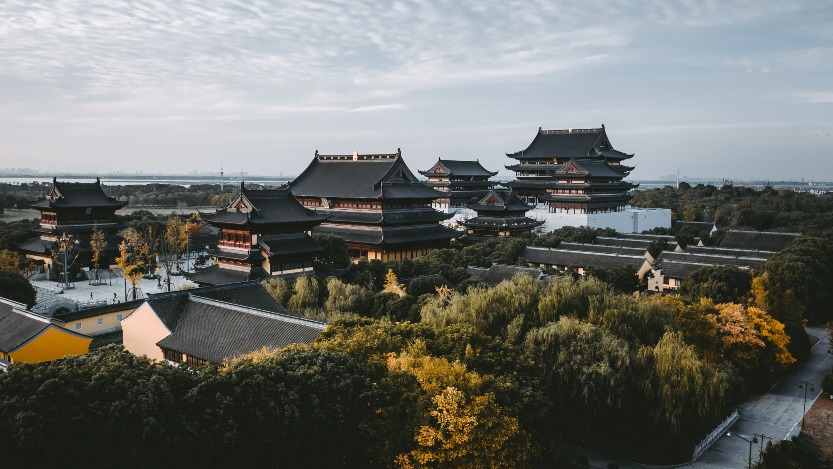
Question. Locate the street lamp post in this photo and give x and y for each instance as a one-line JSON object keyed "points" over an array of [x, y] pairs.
{"points": [[751, 442], [805, 385]]}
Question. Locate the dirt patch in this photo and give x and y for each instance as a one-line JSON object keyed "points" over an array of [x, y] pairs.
{"points": [[818, 424]]}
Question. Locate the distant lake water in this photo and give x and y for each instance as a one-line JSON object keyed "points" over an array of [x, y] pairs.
{"points": [[185, 181]]}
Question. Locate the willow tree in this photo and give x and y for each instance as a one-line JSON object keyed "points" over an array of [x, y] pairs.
{"points": [[98, 242], [133, 252]]}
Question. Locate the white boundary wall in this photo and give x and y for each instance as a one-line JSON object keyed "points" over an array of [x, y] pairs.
{"points": [[630, 220]]}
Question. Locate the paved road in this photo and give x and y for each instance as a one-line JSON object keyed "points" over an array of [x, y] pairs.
{"points": [[774, 414]]}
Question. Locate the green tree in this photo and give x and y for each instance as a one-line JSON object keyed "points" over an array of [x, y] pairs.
{"points": [[720, 283], [622, 278], [279, 288], [15, 287], [333, 250], [305, 294]]}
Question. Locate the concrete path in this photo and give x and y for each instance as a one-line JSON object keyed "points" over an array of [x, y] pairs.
{"points": [[775, 414]]}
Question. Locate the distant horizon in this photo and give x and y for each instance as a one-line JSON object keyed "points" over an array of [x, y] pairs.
{"points": [[236, 178]]}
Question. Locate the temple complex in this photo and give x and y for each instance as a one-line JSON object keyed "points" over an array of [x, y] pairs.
{"points": [[462, 182], [262, 233], [499, 213], [576, 178], [74, 210], [375, 203]]}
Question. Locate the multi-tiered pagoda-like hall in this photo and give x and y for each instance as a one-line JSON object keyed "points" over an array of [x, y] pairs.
{"points": [[74, 209], [577, 177], [375, 203], [262, 233]]}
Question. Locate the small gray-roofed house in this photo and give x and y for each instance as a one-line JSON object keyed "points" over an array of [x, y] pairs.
{"points": [[497, 273], [757, 240], [169, 305], [560, 260], [163, 314], [215, 331]]}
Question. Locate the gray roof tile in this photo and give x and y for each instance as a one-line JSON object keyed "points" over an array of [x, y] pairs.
{"points": [[215, 331]]}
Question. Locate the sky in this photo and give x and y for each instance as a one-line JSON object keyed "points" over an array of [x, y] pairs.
{"points": [[720, 89]]}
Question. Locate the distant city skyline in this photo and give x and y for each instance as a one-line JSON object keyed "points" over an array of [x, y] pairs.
{"points": [[737, 89]]}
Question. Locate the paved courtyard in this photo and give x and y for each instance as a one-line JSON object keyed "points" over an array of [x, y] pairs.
{"points": [[115, 289]]}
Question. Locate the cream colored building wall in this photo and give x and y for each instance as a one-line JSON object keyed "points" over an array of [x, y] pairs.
{"points": [[142, 330], [89, 326]]}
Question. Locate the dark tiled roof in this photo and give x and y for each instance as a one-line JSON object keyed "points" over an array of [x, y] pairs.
{"points": [[402, 190], [641, 242], [216, 331], [216, 275], [680, 269], [601, 248], [565, 144], [387, 217], [758, 240], [98, 310], [261, 207], [18, 326], [501, 222], [500, 200], [36, 245], [239, 255], [701, 226], [711, 259], [390, 235], [708, 250], [342, 176], [592, 168], [559, 257], [288, 244], [615, 155], [169, 306], [416, 234], [371, 235], [498, 273], [78, 194], [459, 168]]}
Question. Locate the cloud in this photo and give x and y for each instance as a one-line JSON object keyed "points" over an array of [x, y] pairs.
{"points": [[812, 97]]}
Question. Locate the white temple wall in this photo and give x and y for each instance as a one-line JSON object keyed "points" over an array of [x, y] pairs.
{"points": [[631, 220]]}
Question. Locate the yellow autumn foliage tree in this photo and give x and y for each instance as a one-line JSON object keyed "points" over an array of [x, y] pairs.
{"points": [[468, 428], [392, 284]]}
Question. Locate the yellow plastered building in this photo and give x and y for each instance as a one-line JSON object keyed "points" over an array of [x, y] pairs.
{"points": [[28, 337]]}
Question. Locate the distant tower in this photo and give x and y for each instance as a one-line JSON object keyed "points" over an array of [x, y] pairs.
{"points": [[678, 178], [221, 178]]}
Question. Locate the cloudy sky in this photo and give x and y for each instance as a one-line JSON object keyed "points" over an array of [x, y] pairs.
{"points": [[741, 90]]}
